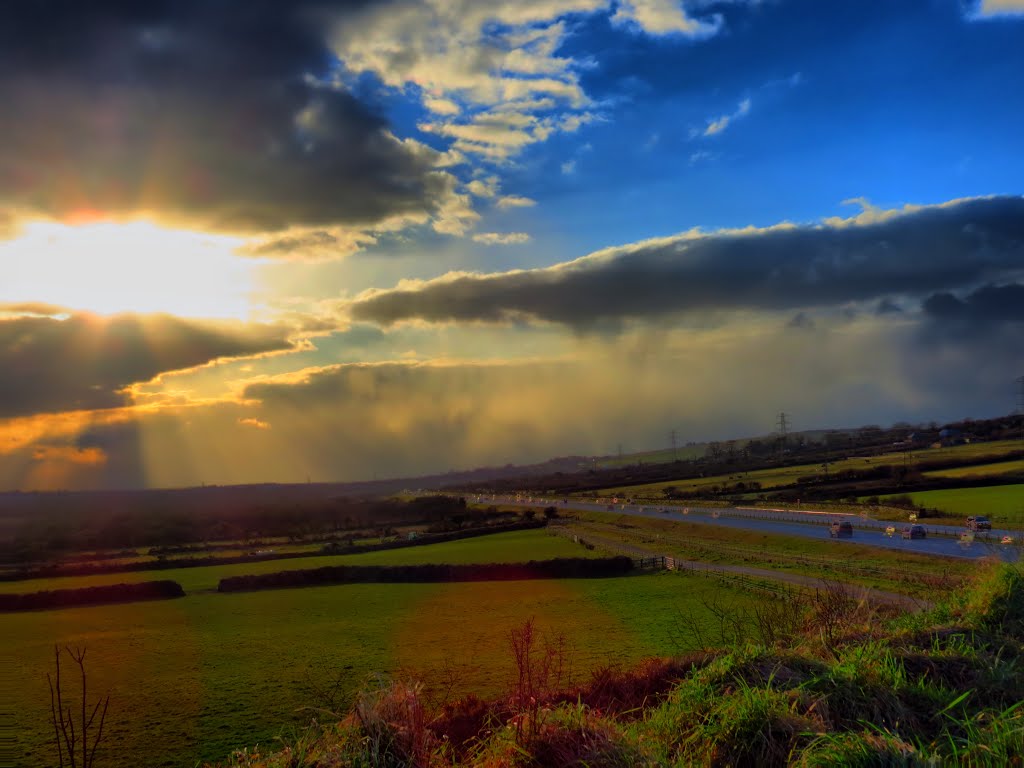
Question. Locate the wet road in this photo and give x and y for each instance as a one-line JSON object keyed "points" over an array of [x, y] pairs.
{"points": [[869, 532]]}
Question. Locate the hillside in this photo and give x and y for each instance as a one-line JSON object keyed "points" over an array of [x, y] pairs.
{"points": [[814, 681]]}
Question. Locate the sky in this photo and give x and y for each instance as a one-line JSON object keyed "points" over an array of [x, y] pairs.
{"points": [[336, 240]]}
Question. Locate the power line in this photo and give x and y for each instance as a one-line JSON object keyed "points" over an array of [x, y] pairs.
{"points": [[782, 422]]}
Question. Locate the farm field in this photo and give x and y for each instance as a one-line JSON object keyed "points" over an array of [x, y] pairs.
{"points": [[1004, 504], [982, 470], [194, 678], [779, 476], [513, 546]]}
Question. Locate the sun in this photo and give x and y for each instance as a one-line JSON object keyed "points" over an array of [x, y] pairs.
{"points": [[110, 267]]}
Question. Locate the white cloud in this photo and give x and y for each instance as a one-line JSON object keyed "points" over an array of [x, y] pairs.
{"points": [[469, 60], [487, 187], [442, 106], [1000, 7], [718, 124], [662, 17], [456, 216], [502, 238], [466, 58], [515, 201], [493, 77], [255, 423], [569, 167], [450, 159]]}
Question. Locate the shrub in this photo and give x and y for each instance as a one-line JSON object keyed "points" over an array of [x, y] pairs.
{"points": [[111, 593], [559, 568]]}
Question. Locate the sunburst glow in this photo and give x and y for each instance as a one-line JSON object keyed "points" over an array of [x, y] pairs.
{"points": [[110, 267]]}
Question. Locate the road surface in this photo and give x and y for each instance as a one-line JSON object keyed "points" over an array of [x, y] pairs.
{"points": [[941, 540]]}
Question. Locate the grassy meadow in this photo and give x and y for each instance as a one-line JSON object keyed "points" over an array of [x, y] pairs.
{"points": [[192, 679], [1003, 504], [995, 469]]}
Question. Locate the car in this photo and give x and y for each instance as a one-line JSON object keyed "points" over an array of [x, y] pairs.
{"points": [[840, 529], [914, 532], [979, 523]]}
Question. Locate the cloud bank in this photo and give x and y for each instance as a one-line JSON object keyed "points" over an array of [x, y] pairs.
{"points": [[77, 361], [916, 251]]}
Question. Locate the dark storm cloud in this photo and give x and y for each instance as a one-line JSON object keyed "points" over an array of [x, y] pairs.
{"points": [[82, 361], [915, 252], [888, 307], [989, 307], [199, 111]]}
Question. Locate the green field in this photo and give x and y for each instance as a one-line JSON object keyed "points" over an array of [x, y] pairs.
{"points": [[779, 476], [194, 678], [1003, 504], [511, 547], [767, 478], [982, 470]]}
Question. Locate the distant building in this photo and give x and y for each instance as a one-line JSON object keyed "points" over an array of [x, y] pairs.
{"points": [[950, 436]]}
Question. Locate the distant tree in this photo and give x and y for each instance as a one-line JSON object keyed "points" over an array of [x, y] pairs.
{"points": [[530, 514], [550, 513]]}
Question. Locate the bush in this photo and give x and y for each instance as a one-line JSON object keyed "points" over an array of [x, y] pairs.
{"points": [[560, 568], [111, 593], [903, 500]]}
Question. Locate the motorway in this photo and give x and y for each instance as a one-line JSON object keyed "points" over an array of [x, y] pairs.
{"points": [[941, 540]]}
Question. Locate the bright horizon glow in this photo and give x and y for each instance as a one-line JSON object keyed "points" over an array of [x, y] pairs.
{"points": [[112, 267]]}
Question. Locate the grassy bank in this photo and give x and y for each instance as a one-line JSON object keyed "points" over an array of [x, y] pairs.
{"points": [[893, 570], [827, 682]]}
